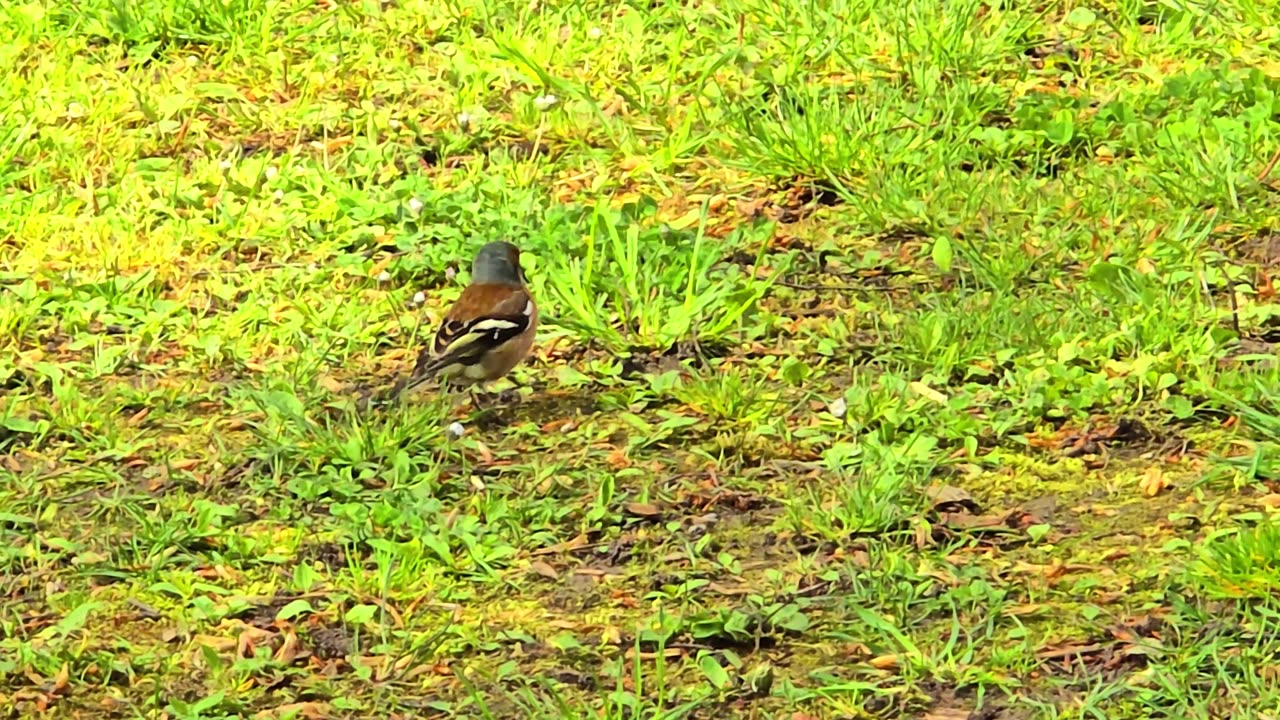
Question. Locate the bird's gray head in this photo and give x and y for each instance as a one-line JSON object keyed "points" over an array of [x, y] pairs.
{"points": [[497, 263]]}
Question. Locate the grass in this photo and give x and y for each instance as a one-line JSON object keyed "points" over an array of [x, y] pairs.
{"points": [[897, 361]]}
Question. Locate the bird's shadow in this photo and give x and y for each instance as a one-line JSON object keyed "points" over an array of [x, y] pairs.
{"points": [[511, 407], [494, 411]]}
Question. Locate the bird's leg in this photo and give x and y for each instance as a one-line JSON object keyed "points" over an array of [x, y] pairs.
{"points": [[511, 394], [475, 399]]}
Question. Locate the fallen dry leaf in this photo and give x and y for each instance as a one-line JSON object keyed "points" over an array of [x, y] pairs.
{"points": [[687, 220], [289, 649], [307, 710], [946, 714], [380, 265], [928, 393], [249, 639], [331, 384], [885, 662], [567, 546], [215, 643], [61, 680], [640, 509], [951, 498], [1153, 481], [1026, 609], [544, 569]]}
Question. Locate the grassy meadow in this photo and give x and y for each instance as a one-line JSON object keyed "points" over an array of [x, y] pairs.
{"points": [[897, 360]]}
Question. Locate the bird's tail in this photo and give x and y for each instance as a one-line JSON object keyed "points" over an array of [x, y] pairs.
{"points": [[425, 369]]}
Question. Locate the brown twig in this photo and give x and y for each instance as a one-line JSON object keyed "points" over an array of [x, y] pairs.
{"points": [[1235, 308], [1073, 651], [386, 607], [1271, 164]]}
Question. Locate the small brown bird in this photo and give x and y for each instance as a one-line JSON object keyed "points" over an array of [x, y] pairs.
{"points": [[489, 330]]}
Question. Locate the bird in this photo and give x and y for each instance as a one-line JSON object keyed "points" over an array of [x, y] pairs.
{"points": [[488, 331]]}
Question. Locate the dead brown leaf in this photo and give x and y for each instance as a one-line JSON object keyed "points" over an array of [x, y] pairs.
{"points": [[1068, 651], [951, 498], [1153, 481], [946, 714], [249, 639], [928, 393], [1021, 610], [289, 649], [215, 643], [640, 509], [307, 710], [576, 543], [332, 384], [965, 521], [885, 662], [61, 680], [544, 569]]}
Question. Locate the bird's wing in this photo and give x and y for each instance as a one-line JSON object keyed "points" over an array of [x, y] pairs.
{"points": [[466, 335]]}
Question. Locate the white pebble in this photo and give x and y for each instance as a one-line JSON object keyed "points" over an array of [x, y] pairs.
{"points": [[838, 407], [455, 430]]}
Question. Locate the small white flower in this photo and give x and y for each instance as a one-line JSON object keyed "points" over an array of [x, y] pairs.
{"points": [[333, 59], [271, 172], [464, 121], [455, 430], [419, 298], [394, 124], [450, 273], [278, 195], [545, 102], [594, 33], [76, 110], [415, 205], [838, 407], [225, 165], [192, 60], [384, 277]]}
